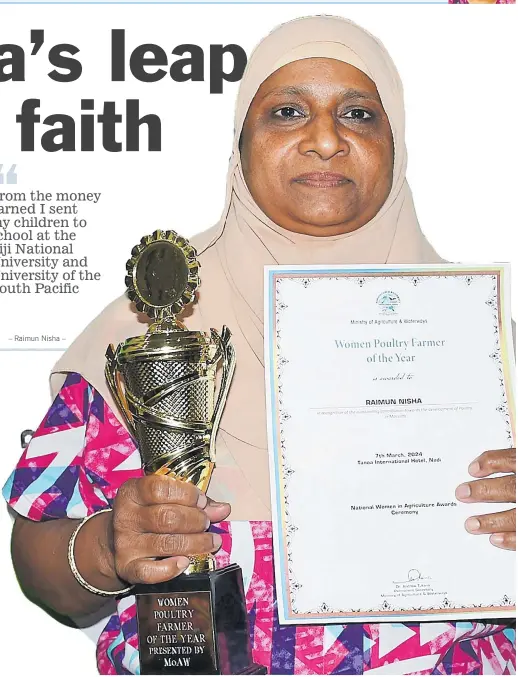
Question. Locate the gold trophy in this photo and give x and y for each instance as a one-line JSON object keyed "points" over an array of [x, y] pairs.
{"points": [[165, 386]]}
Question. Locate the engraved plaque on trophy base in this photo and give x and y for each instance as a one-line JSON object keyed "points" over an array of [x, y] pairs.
{"points": [[195, 624]]}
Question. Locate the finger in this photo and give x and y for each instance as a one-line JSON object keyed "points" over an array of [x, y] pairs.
{"points": [[217, 512], [495, 490], [171, 519], [498, 460], [493, 523], [156, 489], [506, 541], [171, 545], [150, 571]]}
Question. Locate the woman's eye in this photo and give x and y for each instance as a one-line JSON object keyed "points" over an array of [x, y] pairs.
{"points": [[288, 113], [358, 114]]}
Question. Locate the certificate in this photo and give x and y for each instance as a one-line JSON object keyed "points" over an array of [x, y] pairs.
{"points": [[383, 384]]}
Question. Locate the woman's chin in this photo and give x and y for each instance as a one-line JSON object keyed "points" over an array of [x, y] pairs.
{"points": [[317, 226], [326, 220]]}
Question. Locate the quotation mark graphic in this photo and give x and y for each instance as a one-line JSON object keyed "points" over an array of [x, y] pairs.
{"points": [[11, 176]]}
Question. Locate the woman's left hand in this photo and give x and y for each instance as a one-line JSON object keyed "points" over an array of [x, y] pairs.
{"points": [[501, 525]]}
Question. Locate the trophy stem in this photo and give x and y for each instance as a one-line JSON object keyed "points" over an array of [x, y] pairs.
{"points": [[201, 479], [200, 564]]}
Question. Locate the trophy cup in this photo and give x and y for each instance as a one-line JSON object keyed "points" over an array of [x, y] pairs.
{"points": [[165, 386]]}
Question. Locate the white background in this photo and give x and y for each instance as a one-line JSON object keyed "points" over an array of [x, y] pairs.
{"points": [[458, 71]]}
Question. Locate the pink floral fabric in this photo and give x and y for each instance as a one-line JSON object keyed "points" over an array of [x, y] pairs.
{"points": [[467, 2]]}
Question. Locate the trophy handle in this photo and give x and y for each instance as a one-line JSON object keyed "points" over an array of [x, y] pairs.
{"points": [[226, 350], [116, 386]]}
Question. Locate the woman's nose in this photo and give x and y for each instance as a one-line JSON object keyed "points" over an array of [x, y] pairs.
{"points": [[325, 137]]}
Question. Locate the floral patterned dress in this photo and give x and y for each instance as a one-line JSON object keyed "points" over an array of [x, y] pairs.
{"points": [[74, 465], [467, 2]]}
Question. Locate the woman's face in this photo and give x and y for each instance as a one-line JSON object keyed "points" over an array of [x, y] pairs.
{"points": [[316, 148]]}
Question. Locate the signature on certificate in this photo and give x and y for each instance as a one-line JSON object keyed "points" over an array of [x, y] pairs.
{"points": [[413, 575]]}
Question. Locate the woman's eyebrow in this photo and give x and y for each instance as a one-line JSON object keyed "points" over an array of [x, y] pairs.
{"points": [[305, 90]]}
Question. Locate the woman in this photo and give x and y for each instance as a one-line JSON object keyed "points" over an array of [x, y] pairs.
{"points": [[317, 175]]}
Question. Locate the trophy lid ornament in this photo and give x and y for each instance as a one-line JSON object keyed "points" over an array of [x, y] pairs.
{"points": [[162, 275]]}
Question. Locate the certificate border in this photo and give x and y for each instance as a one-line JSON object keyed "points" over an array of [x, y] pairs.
{"points": [[281, 559]]}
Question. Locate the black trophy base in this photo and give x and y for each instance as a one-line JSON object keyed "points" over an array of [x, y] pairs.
{"points": [[195, 624]]}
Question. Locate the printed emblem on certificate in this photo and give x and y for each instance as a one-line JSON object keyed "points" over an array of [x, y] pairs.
{"points": [[383, 384]]}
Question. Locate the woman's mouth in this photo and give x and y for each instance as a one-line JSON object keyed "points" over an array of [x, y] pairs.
{"points": [[321, 179]]}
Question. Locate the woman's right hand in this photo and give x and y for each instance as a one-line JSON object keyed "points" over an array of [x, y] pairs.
{"points": [[157, 516]]}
